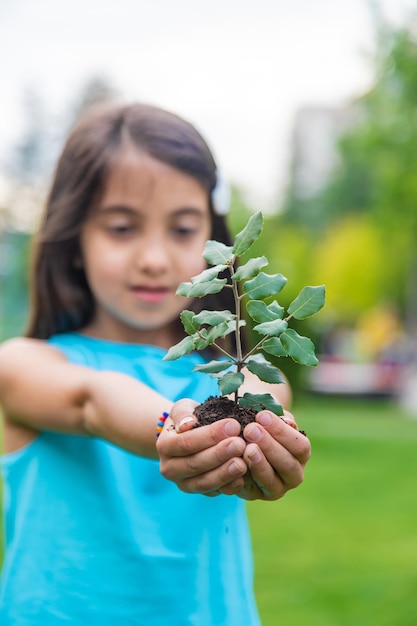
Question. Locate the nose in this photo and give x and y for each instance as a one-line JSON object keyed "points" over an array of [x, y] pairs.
{"points": [[151, 254]]}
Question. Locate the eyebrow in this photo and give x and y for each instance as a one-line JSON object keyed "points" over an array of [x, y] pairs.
{"points": [[128, 210]]}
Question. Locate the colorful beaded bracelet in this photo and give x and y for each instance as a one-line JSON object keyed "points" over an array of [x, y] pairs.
{"points": [[161, 423]]}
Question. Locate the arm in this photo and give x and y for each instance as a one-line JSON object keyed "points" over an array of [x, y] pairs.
{"points": [[41, 390]]}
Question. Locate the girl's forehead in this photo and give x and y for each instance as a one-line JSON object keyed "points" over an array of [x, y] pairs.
{"points": [[138, 179], [142, 167], [131, 160]]}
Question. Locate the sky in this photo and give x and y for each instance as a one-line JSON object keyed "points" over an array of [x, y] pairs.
{"points": [[238, 69]]}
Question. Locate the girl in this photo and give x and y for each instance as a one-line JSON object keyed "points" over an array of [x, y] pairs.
{"points": [[95, 533]]}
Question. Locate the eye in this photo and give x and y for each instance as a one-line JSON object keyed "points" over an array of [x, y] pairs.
{"points": [[120, 229], [184, 232]]}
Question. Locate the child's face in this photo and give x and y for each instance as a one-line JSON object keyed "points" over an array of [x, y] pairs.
{"points": [[144, 237]]}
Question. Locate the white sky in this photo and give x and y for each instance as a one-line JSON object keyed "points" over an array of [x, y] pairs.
{"points": [[238, 69]]}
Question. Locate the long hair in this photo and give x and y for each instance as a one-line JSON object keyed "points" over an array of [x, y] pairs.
{"points": [[61, 299]]}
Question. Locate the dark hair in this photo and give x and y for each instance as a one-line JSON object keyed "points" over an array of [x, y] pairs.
{"points": [[61, 297]]}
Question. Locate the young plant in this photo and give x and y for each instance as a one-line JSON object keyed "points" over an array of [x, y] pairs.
{"points": [[250, 286]]}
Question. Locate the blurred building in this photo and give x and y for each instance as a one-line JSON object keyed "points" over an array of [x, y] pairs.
{"points": [[314, 151]]}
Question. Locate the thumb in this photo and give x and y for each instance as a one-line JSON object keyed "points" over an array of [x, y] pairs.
{"points": [[182, 414]]}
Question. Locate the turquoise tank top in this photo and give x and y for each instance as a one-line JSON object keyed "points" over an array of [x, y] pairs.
{"points": [[95, 535]]}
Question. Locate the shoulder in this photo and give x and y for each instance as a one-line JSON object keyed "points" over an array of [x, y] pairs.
{"points": [[21, 348]]}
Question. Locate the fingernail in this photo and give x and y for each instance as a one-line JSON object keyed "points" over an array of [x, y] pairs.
{"points": [[254, 432], [230, 429], [265, 418], [233, 448], [183, 422], [255, 455], [235, 469]]}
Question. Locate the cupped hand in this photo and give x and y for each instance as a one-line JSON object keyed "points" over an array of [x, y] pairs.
{"points": [[276, 455], [206, 460], [214, 460]]}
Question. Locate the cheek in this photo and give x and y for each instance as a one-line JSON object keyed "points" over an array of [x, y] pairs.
{"points": [[102, 265], [193, 264]]}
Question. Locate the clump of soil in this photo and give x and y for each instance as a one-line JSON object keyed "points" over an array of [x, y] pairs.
{"points": [[218, 407]]}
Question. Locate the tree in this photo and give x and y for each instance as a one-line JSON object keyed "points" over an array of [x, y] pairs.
{"points": [[376, 174]]}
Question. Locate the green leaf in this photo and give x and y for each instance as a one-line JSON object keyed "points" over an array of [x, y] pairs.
{"points": [[275, 328], [249, 234], [198, 290], [216, 252], [231, 326], [309, 301], [214, 367], [230, 382], [300, 349], [200, 341], [260, 401], [183, 347], [260, 312], [208, 274], [263, 369], [276, 309], [207, 336], [274, 346], [264, 285], [250, 269], [187, 319], [214, 332], [214, 317]]}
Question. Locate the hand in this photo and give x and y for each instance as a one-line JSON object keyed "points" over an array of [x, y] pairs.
{"points": [[276, 455], [206, 460]]}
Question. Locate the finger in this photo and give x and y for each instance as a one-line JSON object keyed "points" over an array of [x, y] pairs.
{"points": [[286, 467], [291, 438], [230, 489], [191, 441], [289, 419], [223, 477], [179, 467], [268, 484], [250, 490], [234, 488], [227, 476], [182, 415], [284, 449]]}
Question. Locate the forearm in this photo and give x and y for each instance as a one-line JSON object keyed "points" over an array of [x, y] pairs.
{"points": [[123, 411]]}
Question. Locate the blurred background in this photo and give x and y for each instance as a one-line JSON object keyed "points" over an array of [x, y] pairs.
{"points": [[311, 110]]}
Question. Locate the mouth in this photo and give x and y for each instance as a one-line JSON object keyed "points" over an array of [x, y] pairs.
{"points": [[150, 295]]}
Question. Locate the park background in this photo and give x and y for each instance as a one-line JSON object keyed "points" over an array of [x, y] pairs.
{"points": [[312, 112]]}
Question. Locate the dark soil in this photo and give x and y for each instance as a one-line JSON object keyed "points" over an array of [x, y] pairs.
{"points": [[218, 407]]}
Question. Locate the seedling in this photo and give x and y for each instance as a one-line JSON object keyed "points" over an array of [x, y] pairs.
{"points": [[251, 287]]}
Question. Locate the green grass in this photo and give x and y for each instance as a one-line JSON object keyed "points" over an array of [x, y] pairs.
{"points": [[341, 550]]}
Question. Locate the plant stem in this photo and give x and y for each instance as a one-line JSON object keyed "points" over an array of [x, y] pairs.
{"points": [[258, 345], [239, 360], [231, 357]]}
